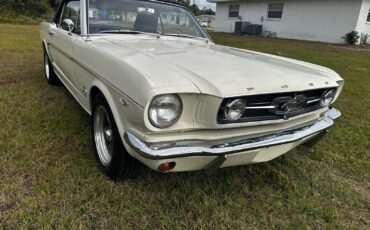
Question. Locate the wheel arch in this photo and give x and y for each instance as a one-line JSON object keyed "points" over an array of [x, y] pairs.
{"points": [[45, 47], [94, 90], [98, 87], [132, 166]]}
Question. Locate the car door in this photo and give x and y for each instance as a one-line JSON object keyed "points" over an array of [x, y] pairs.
{"points": [[62, 41]]}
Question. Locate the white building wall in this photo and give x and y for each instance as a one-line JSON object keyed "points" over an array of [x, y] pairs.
{"points": [[315, 20], [362, 25], [223, 23]]}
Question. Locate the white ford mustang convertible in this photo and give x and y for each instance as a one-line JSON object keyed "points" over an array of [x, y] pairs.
{"points": [[161, 93]]}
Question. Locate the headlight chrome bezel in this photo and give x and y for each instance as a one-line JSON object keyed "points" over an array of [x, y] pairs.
{"points": [[230, 105], [160, 100], [329, 94]]}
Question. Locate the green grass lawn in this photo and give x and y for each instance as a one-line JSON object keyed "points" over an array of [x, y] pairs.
{"points": [[48, 176]]}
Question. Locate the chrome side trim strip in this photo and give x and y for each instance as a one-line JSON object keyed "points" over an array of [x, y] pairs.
{"points": [[274, 107], [150, 151], [261, 107], [314, 100]]}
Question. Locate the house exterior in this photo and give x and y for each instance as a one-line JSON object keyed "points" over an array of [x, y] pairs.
{"points": [[314, 20], [209, 19]]}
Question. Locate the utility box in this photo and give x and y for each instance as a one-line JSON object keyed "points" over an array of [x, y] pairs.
{"points": [[253, 29], [240, 27]]}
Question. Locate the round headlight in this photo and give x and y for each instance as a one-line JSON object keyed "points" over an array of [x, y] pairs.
{"points": [[327, 98], [165, 110], [235, 109]]}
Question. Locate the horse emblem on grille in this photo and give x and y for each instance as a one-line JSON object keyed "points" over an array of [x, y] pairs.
{"points": [[287, 105]]}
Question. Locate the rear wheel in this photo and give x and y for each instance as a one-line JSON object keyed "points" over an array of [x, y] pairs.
{"points": [[110, 152], [50, 75]]}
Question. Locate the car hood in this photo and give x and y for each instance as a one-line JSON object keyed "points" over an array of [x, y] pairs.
{"points": [[215, 70]]}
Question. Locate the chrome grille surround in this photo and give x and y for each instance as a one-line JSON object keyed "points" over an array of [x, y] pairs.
{"points": [[275, 106]]}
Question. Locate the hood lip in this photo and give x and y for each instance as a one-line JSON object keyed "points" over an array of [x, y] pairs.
{"points": [[169, 90], [282, 91]]}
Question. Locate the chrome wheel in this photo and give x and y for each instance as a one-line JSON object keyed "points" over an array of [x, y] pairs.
{"points": [[47, 68], [110, 153], [103, 135]]}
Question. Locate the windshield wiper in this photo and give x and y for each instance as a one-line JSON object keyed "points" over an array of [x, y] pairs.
{"points": [[120, 32], [140, 32], [178, 35]]}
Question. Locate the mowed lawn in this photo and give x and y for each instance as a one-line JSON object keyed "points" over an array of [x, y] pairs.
{"points": [[49, 179]]}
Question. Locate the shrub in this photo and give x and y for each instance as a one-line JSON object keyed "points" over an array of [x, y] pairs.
{"points": [[351, 38], [26, 7], [364, 39]]}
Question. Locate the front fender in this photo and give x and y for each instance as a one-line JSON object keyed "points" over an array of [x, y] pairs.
{"points": [[127, 114]]}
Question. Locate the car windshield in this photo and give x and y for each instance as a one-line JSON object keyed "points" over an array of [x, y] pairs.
{"points": [[138, 16]]}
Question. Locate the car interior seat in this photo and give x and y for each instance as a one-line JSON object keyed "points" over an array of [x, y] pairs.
{"points": [[146, 23]]}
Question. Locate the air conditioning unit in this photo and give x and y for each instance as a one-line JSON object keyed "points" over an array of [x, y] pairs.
{"points": [[240, 27], [253, 29]]}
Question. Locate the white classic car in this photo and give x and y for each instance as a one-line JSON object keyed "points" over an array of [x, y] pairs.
{"points": [[160, 92]]}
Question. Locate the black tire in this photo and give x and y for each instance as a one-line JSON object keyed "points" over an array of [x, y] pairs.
{"points": [[50, 76], [121, 165]]}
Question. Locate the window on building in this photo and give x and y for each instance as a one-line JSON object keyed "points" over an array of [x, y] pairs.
{"points": [[368, 16], [233, 11], [275, 10]]}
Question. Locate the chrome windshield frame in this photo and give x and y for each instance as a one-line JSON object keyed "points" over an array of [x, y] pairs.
{"points": [[85, 19]]}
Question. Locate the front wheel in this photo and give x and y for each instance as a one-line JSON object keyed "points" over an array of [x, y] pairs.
{"points": [[110, 152]]}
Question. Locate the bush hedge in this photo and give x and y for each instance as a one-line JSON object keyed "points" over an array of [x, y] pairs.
{"points": [[25, 11]]}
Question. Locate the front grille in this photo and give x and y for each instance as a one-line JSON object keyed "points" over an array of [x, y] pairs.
{"points": [[267, 106]]}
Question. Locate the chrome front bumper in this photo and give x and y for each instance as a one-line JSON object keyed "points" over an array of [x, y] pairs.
{"points": [[160, 151]]}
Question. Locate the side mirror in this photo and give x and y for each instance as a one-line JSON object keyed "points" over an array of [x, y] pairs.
{"points": [[68, 25]]}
